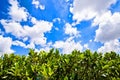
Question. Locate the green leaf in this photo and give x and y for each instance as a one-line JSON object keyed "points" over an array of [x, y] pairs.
{"points": [[66, 78], [105, 67]]}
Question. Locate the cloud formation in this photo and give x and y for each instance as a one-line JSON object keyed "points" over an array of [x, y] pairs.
{"points": [[16, 12], [68, 46], [38, 5], [88, 9], [33, 34], [31, 31], [109, 27], [113, 45], [72, 31], [5, 45]]}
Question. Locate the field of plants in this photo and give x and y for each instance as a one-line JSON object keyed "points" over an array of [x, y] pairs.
{"points": [[53, 65]]}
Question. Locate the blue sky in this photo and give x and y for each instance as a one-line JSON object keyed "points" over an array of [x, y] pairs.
{"points": [[62, 24]]}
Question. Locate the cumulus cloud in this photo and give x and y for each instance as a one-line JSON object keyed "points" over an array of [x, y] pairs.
{"points": [[108, 31], [72, 31], [16, 12], [19, 43], [47, 47], [5, 45], [38, 5], [13, 27], [109, 27], [67, 46], [34, 34], [88, 9], [86, 46], [113, 45]]}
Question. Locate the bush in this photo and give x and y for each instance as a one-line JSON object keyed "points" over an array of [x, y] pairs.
{"points": [[55, 66]]}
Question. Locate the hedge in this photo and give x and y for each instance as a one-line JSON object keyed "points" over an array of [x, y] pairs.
{"points": [[53, 65]]}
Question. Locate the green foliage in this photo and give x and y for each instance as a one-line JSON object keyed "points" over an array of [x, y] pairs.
{"points": [[55, 66]]}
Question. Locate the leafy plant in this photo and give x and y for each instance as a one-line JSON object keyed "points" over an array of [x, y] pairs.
{"points": [[53, 65]]}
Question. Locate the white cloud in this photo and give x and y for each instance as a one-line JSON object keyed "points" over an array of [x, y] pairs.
{"points": [[42, 7], [16, 12], [33, 20], [109, 27], [67, 0], [38, 5], [25, 39], [86, 46], [31, 45], [67, 46], [88, 9], [14, 28], [5, 45], [46, 47], [19, 43], [113, 45], [36, 32], [72, 31], [56, 28], [42, 26], [57, 19], [108, 31]]}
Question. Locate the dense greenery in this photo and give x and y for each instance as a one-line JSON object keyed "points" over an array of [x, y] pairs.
{"points": [[55, 66]]}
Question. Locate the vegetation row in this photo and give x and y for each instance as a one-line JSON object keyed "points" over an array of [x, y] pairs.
{"points": [[53, 65]]}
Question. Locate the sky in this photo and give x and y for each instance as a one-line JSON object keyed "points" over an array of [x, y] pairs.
{"points": [[62, 24]]}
